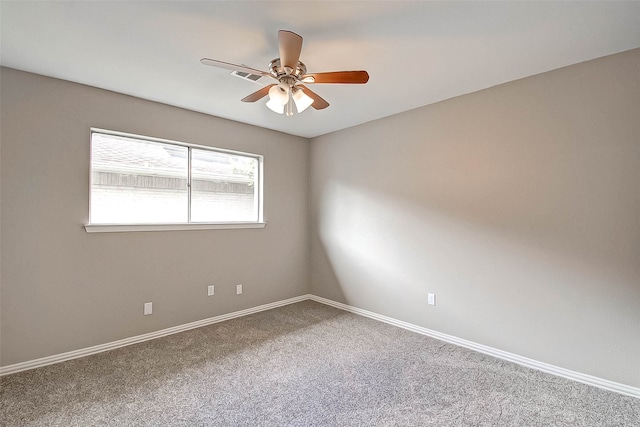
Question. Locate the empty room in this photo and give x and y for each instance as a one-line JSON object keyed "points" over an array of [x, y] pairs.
{"points": [[280, 213]]}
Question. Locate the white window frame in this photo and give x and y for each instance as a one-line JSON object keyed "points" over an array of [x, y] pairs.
{"points": [[112, 228]]}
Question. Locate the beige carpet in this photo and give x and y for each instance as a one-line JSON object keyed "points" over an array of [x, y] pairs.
{"points": [[305, 364]]}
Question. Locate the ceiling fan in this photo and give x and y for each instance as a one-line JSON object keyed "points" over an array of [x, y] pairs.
{"points": [[288, 94]]}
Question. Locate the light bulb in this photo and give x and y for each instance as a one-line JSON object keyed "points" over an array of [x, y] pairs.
{"points": [[279, 94], [302, 100], [275, 106]]}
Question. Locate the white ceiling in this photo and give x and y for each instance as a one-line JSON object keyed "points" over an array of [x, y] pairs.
{"points": [[417, 53]]}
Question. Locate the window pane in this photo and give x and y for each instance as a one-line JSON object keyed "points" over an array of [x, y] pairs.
{"points": [[136, 181], [223, 187]]}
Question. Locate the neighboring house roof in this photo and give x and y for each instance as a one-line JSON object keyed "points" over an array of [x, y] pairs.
{"points": [[119, 154]]}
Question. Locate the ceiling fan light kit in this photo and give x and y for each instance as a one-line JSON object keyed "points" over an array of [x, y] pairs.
{"points": [[289, 95], [283, 96]]}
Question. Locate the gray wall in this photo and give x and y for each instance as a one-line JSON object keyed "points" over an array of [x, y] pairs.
{"points": [[518, 206], [64, 289]]}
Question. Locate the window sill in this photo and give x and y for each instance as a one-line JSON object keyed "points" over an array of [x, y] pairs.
{"points": [[123, 228]]}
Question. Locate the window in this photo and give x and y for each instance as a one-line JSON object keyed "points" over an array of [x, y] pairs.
{"points": [[145, 181]]}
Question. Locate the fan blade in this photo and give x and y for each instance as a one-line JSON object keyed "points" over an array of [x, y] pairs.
{"points": [[257, 95], [352, 77], [318, 102], [290, 47], [233, 67]]}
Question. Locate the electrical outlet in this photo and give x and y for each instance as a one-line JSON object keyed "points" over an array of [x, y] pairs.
{"points": [[431, 299], [210, 290], [238, 289], [148, 308]]}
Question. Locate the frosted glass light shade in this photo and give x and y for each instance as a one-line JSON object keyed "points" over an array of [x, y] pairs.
{"points": [[302, 100], [279, 94], [275, 106]]}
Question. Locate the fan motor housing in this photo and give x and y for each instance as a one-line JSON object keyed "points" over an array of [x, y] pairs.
{"points": [[276, 69]]}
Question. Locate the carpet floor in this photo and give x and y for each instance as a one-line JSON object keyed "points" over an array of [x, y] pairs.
{"points": [[305, 364]]}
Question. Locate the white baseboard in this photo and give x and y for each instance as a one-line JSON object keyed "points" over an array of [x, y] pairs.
{"points": [[520, 360], [524, 361], [75, 354]]}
